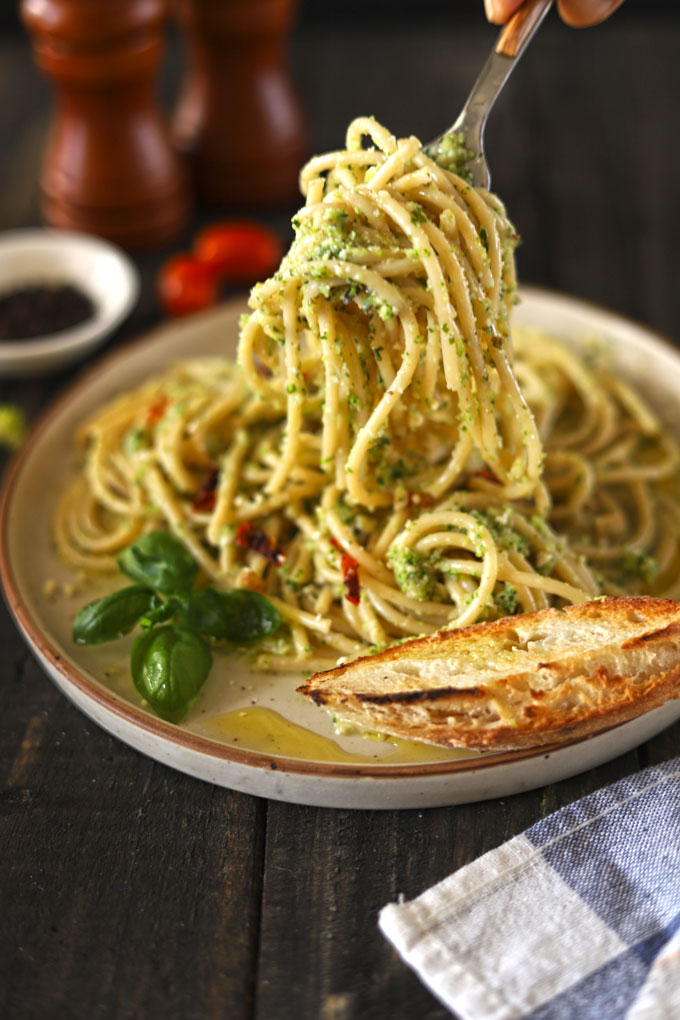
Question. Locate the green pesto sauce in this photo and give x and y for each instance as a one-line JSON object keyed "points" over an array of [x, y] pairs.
{"points": [[345, 512], [507, 600], [638, 566], [136, 439], [413, 572], [452, 154], [505, 536]]}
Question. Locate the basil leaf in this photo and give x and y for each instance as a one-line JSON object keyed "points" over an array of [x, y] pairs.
{"points": [[239, 616], [248, 616], [161, 561], [113, 616], [169, 666], [203, 611]]}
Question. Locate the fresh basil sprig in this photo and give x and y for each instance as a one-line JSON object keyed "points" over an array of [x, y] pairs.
{"points": [[171, 659]]}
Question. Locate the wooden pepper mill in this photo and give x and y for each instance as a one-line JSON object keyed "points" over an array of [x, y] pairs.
{"points": [[109, 166], [238, 116]]}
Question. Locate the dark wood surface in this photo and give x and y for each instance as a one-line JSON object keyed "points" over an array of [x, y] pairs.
{"points": [[132, 891]]}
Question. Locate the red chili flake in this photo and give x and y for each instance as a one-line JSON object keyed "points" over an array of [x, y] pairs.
{"points": [[487, 474], [350, 578], [206, 497], [250, 537], [157, 410], [350, 573]]}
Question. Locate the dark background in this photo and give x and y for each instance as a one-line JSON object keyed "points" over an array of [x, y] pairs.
{"points": [[130, 891], [322, 10]]}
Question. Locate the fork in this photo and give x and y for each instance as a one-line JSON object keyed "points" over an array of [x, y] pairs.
{"points": [[466, 136]]}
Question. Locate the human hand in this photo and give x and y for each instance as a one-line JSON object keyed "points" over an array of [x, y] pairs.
{"points": [[578, 13]]}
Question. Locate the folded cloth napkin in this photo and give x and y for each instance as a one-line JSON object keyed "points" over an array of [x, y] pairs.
{"points": [[577, 918]]}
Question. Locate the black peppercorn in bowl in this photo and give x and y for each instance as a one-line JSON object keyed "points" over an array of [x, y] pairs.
{"points": [[61, 295]]}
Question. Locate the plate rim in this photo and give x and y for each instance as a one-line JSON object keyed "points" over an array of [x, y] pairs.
{"points": [[52, 658]]}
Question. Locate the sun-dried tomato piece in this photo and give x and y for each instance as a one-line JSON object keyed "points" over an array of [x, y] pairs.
{"points": [[206, 497], [255, 539], [350, 573], [350, 578], [157, 410]]}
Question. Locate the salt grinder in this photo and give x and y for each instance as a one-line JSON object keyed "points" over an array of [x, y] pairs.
{"points": [[238, 117], [109, 167]]}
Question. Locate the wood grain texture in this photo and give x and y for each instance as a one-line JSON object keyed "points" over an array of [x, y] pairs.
{"points": [[131, 891], [517, 31]]}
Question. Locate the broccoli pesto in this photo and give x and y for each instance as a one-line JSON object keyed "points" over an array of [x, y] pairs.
{"points": [[452, 154], [496, 520], [414, 572], [635, 565], [507, 600]]}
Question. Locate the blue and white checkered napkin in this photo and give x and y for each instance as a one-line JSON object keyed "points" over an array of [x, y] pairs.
{"points": [[576, 919]]}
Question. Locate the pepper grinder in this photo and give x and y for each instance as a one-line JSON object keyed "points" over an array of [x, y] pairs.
{"points": [[238, 117], [109, 167]]}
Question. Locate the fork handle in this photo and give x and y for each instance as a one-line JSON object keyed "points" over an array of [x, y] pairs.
{"points": [[521, 27]]}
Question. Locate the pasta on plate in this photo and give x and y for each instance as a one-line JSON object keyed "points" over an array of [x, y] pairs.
{"points": [[387, 458]]}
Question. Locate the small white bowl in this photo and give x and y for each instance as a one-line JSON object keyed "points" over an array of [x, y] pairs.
{"points": [[100, 270]]}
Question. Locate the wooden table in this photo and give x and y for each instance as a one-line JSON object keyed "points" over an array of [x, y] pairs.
{"points": [[130, 890]]}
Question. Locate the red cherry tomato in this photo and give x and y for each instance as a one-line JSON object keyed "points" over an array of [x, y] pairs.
{"points": [[185, 285], [240, 251]]}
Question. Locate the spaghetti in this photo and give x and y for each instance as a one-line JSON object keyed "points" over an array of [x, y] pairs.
{"points": [[386, 459]]}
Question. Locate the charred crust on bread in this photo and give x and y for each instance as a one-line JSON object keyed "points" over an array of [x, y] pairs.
{"points": [[405, 697]]}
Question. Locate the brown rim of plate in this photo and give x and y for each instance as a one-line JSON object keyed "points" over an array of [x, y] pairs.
{"points": [[140, 719]]}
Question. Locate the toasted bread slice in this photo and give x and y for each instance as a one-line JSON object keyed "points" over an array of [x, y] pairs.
{"points": [[522, 681]]}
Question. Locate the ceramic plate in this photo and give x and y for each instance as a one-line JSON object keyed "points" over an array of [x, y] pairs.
{"points": [[253, 732]]}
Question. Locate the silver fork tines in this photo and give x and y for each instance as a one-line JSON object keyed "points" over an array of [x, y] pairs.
{"points": [[462, 145]]}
